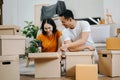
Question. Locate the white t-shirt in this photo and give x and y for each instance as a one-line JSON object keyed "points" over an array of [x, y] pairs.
{"points": [[75, 34]]}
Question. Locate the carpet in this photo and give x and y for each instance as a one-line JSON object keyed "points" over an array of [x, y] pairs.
{"points": [[26, 70]]}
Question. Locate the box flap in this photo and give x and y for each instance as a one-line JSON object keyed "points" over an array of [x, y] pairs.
{"points": [[12, 37], [84, 53], [104, 52], [45, 55], [9, 58], [113, 52], [3, 27]]}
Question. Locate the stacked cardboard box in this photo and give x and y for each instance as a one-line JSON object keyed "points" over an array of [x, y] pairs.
{"points": [[113, 43], [11, 46], [118, 31], [86, 72], [9, 30], [109, 62], [9, 68], [73, 58]]}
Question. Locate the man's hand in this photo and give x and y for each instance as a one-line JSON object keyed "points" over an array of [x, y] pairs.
{"points": [[64, 48]]}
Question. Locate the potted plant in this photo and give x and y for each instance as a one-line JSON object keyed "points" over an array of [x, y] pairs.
{"points": [[30, 31]]}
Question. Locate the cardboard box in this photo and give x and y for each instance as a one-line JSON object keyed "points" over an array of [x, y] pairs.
{"points": [[9, 68], [47, 65], [109, 62], [86, 72], [73, 58], [12, 44], [118, 30], [9, 30], [113, 43]]}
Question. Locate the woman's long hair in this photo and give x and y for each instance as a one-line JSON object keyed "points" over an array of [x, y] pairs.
{"points": [[48, 21]]}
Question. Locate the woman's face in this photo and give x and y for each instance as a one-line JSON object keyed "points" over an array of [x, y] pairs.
{"points": [[48, 28]]}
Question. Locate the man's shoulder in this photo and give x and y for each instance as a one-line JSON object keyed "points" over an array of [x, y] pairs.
{"points": [[65, 30], [83, 22]]}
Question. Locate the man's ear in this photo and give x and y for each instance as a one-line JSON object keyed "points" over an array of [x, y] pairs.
{"points": [[70, 19]]}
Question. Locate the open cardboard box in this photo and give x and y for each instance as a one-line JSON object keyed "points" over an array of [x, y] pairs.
{"points": [[47, 64], [44, 55]]}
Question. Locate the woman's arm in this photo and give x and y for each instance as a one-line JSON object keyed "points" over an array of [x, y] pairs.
{"points": [[59, 43]]}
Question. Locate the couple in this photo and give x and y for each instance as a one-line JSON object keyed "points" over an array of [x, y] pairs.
{"points": [[76, 35]]}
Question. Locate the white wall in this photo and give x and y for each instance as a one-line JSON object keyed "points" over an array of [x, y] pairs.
{"points": [[17, 11], [113, 7], [9, 11], [86, 8]]}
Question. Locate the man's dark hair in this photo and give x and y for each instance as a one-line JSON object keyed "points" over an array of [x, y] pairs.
{"points": [[67, 14], [48, 21]]}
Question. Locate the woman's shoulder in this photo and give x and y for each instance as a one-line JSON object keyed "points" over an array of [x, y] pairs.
{"points": [[40, 35], [59, 32]]}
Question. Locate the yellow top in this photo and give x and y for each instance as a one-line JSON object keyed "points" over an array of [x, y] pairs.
{"points": [[49, 43]]}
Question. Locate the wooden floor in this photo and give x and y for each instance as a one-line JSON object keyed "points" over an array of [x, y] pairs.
{"points": [[31, 77]]}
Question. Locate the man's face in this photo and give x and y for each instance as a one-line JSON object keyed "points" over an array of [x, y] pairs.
{"points": [[65, 22]]}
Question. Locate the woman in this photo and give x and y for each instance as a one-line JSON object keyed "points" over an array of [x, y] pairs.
{"points": [[50, 36]]}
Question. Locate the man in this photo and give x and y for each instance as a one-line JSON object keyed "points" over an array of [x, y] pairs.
{"points": [[77, 34]]}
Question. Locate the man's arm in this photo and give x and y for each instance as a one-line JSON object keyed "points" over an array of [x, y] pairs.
{"points": [[76, 46]]}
